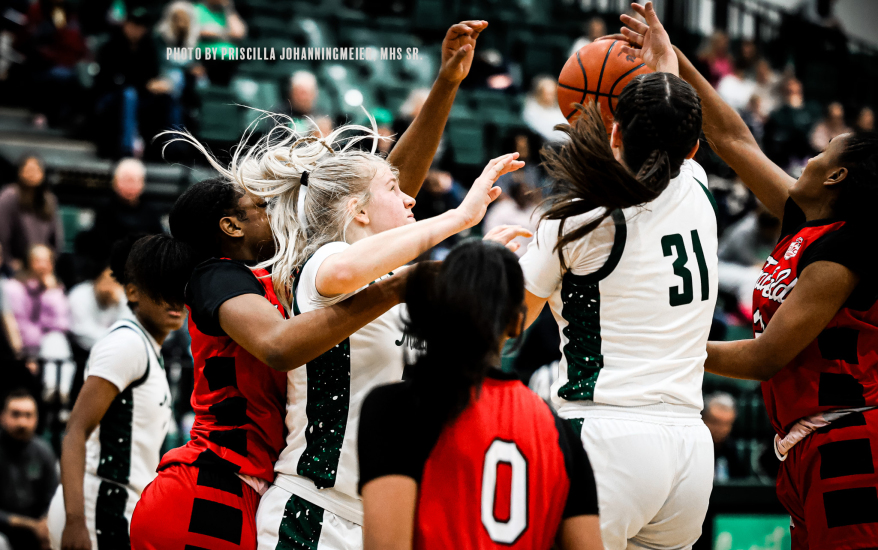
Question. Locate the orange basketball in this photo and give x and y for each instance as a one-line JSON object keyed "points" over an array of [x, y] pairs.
{"points": [[598, 70]]}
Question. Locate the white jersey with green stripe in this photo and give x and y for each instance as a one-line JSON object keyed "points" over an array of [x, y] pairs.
{"points": [[126, 446], [324, 399], [635, 304]]}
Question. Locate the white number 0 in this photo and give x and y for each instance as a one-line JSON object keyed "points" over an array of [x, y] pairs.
{"points": [[505, 532]]}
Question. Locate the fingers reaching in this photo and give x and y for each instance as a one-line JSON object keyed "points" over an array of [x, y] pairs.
{"points": [[632, 37], [634, 24]]}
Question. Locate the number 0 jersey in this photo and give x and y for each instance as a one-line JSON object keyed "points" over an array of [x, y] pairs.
{"points": [[635, 305], [503, 474], [836, 370]]}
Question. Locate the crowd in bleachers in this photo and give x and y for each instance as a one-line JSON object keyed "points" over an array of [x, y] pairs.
{"points": [[100, 71]]}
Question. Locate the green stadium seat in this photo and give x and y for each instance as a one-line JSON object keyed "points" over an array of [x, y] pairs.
{"points": [[263, 95], [75, 220], [316, 33], [220, 119], [467, 139], [270, 27]]}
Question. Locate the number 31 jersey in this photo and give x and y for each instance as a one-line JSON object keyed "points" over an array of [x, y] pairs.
{"points": [[635, 302]]}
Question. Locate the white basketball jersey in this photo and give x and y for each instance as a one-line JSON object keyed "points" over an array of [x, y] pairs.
{"points": [[634, 325]]}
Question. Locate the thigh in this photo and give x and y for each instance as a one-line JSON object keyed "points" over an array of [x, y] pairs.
{"points": [[634, 472], [199, 507], [289, 522], [677, 525], [836, 471]]}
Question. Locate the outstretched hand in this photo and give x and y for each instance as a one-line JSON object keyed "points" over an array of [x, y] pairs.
{"points": [[649, 41], [483, 192], [458, 49], [504, 234]]}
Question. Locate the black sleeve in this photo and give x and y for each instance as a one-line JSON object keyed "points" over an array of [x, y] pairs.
{"points": [[213, 283], [391, 440], [582, 499], [793, 218], [844, 246]]}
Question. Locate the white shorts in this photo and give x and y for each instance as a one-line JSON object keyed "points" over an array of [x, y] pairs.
{"points": [[108, 507], [654, 475], [285, 520]]}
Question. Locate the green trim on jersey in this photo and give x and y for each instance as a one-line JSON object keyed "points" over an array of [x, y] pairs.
{"points": [[581, 308], [577, 426], [111, 525], [709, 197], [301, 525], [117, 424], [329, 398]]}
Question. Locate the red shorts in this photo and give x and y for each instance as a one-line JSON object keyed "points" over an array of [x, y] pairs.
{"points": [[829, 485], [188, 507]]}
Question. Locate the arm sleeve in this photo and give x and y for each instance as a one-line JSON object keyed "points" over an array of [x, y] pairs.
{"points": [[386, 442], [541, 264], [119, 358], [841, 247], [307, 296], [212, 284], [582, 498]]}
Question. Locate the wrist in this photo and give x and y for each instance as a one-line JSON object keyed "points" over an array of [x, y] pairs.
{"points": [[446, 83], [459, 219], [75, 517]]}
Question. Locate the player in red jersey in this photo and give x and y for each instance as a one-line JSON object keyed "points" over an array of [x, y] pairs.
{"points": [[207, 492], [462, 455], [816, 318]]}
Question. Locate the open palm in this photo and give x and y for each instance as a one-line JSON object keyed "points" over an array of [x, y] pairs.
{"points": [[649, 41], [458, 49]]}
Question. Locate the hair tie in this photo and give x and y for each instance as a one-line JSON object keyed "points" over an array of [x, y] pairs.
{"points": [[304, 178]]}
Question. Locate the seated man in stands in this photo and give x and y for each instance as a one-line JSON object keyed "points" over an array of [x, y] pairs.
{"points": [[719, 416], [28, 476]]}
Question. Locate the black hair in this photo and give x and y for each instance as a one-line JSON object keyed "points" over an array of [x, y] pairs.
{"points": [[18, 393], [42, 203], [158, 265], [659, 116], [458, 312], [858, 192], [194, 219]]}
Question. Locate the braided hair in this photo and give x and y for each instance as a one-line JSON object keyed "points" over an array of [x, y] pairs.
{"points": [[194, 219], [659, 117]]}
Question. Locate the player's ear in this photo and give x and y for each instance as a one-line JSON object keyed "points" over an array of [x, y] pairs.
{"points": [[132, 293], [836, 177], [359, 214], [231, 226], [693, 151]]}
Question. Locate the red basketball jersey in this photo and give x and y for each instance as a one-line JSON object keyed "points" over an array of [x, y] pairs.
{"points": [[501, 475], [836, 370], [239, 401]]}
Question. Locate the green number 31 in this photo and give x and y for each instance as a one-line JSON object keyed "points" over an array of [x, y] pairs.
{"points": [[675, 241]]}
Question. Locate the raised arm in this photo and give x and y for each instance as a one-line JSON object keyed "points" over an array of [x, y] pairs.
{"points": [[820, 292], [372, 257], [724, 128], [285, 344], [414, 152]]}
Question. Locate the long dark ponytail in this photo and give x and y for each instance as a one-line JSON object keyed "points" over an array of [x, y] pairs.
{"points": [[459, 311], [659, 116]]}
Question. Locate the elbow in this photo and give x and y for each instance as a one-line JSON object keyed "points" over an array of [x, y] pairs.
{"points": [[343, 280]]}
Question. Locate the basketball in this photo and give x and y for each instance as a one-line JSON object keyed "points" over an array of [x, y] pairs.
{"points": [[598, 70]]}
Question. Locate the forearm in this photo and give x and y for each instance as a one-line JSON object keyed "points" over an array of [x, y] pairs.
{"points": [[414, 152], [305, 337], [368, 259], [740, 359], [73, 471]]}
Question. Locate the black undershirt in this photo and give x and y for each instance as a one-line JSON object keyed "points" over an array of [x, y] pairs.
{"points": [[214, 282]]}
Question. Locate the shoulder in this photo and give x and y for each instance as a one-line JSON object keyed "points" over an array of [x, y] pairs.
{"points": [[121, 340], [221, 266], [120, 357], [8, 193], [81, 291], [42, 449]]}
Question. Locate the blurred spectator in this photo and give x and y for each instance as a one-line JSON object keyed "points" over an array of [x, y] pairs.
{"points": [[593, 29], [749, 57], [124, 213], [384, 123], [541, 112], [440, 193], [516, 207], [755, 118], [737, 88], [325, 126], [29, 213], [12, 23], [302, 96], [10, 337], [28, 475], [37, 300], [719, 417], [94, 306], [715, 57], [742, 252], [788, 128], [220, 26], [53, 45], [408, 111], [865, 120], [133, 100], [832, 125], [491, 71], [527, 144], [178, 29], [766, 87]]}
